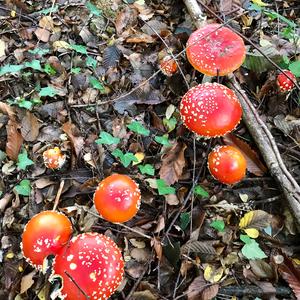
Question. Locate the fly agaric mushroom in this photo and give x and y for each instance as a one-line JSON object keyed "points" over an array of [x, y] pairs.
{"points": [[227, 164], [117, 198], [54, 158], [214, 50], [210, 110], [168, 65], [46, 233], [284, 83], [90, 267]]}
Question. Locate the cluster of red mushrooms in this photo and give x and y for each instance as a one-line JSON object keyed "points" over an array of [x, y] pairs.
{"points": [[90, 265]]}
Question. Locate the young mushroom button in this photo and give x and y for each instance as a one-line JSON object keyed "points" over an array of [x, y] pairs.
{"points": [[210, 110], [117, 198], [168, 65], [46, 233], [90, 267], [54, 158], [284, 83], [227, 164], [215, 50]]}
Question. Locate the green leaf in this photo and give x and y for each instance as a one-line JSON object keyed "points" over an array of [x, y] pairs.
{"points": [[251, 249], [138, 128], [48, 91], [10, 69], [163, 140], [49, 10], [107, 139], [294, 67], [79, 48], [273, 15], [147, 169], [96, 84], [219, 225], [23, 188], [49, 69], [93, 9], [23, 103], [24, 161], [75, 70], [200, 191], [163, 188], [39, 51], [170, 124], [184, 220], [34, 64], [91, 62], [2, 156], [126, 159]]}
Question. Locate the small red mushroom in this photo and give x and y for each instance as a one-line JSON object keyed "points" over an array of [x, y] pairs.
{"points": [[210, 110], [214, 50], [54, 158], [117, 198], [90, 267], [46, 233], [284, 83], [227, 164], [168, 65]]}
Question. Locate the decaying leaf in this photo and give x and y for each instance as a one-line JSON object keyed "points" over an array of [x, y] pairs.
{"points": [[258, 219], [8, 110], [14, 140], [30, 127], [199, 247], [173, 163], [262, 269], [75, 137], [27, 282]]}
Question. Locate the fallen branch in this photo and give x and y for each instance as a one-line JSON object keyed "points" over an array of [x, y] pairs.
{"points": [[260, 133]]}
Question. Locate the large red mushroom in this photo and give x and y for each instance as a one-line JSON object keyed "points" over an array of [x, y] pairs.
{"points": [[90, 267], [210, 110], [46, 233], [117, 198], [215, 50]]}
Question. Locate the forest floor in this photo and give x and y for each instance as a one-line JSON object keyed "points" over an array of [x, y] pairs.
{"points": [[84, 76]]}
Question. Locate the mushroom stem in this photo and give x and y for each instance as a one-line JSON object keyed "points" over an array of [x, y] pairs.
{"points": [[262, 137]]}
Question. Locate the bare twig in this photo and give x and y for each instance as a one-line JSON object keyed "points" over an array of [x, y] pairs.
{"points": [[56, 201]]}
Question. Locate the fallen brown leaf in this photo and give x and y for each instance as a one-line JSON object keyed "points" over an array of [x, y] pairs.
{"points": [[173, 163], [30, 127], [74, 135], [42, 34], [27, 282], [14, 140], [7, 110]]}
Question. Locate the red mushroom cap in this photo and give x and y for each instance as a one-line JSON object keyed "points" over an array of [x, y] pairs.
{"points": [[117, 198], [168, 65], [210, 110], [284, 83], [46, 233], [214, 50], [227, 164], [54, 158], [91, 265]]}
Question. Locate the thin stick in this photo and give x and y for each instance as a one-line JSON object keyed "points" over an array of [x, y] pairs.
{"points": [[56, 201], [77, 285]]}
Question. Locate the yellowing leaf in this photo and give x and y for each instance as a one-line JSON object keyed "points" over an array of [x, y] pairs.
{"points": [[296, 261], [258, 219], [60, 45], [140, 156], [13, 13], [252, 232], [10, 255], [213, 275], [246, 219], [259, 3]]}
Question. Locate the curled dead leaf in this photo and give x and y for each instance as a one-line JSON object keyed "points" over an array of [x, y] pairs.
{"points": [[14, 140], [74, 135]]}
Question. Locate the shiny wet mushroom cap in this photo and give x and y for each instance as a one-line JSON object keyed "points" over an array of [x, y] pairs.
{"points": [[46, 233], [117, 198], [210, 110], [54, 158], [284, 83], [215, 50], [90, 267], [227, 164]]}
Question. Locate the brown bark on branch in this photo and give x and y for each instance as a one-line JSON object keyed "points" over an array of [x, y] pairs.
{"points": [[260, 133]]}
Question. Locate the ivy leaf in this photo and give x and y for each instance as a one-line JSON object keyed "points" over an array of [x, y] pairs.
{"points": [[163, 140], [10, 69], [295, 68], [23, 188], [107, 139], [48, 91], [138, 128], [93, 9], [75, 70], [200, 191], [23, 103], [184, 220], [2, 156], [170, 124], [49, 10], [126, 159], [34, 64], [24, 161], [251, 249], [49, 69], [91, 62], [147, 169], [219, 225], [39, 51], [79, 48], [163, 188], [96, 84]]}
